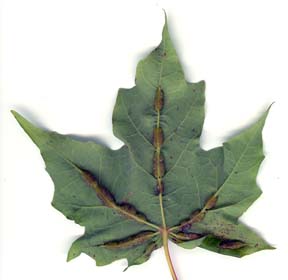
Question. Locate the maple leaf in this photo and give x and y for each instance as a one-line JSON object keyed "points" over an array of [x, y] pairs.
{"points": [[160, 185]]}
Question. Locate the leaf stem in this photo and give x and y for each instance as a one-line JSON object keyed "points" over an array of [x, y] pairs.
{"points": [[167, 254], [162, 211]]}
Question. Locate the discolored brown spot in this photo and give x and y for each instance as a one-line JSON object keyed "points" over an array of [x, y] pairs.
{"points": [[158, 165], [197, 216], [185, 227], [182, 236], [131, 241], [130, 211], [211, 202], [141, 216], [159, 99], [128, 208], [231, 244], [160, 186], [88, 176], [157, 137], [103, 194]]}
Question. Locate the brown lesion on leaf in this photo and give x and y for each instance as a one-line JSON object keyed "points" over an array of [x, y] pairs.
{"points": [[107, 198], [211, 202], [103, 194], [127, 207], [158, 166], [159, 99], [181, 237], [196, 216], [131, 241], [129, 211], [160, 187], [231, 244], [158, 139]]}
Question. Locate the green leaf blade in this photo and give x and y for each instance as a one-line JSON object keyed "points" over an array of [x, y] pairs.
{"points": [[160, 184], [243, 155]]}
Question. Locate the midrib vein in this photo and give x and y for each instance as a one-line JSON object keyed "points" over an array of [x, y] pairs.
{"points": [[159, 179], [159, 163], [158, 147]]}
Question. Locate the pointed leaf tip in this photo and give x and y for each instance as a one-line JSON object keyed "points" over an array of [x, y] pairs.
{"points": [[165, 16], [165, 27], [37, 135], [14, 113], [270, 106], [265, 114], [21, 120]]}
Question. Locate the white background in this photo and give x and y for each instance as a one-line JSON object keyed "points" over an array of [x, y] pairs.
{"points": [[62, 62]]}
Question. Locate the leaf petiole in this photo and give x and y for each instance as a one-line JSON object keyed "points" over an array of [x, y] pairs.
{"points": [[167, 254]]}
